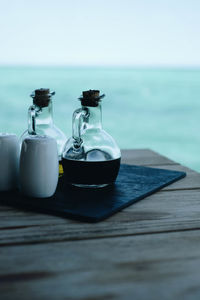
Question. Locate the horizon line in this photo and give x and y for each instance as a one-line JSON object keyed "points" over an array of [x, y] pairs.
{"points": [[130, 66]]}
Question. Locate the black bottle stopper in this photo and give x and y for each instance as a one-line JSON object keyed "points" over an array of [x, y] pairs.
{"points": [[41, 97], [91, 98]]}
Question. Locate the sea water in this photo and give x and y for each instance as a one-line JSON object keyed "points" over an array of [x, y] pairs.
{"points": [[143, 108]]}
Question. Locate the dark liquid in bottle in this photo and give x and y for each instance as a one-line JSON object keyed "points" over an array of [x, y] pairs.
{"points": [[90, 172]]}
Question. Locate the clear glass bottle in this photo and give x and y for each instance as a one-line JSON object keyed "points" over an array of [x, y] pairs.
{"points": [[40, 119], [91, 157]]}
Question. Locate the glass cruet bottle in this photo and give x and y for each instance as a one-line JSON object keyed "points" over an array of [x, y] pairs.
{"points": [[91, 157], [40, 119]]}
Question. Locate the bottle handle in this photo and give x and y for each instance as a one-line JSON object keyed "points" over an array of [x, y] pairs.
{"points": [[78, 118], [31, 120]]}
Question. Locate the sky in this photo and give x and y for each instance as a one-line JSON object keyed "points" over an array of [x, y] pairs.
{"points": [[100, 32]]}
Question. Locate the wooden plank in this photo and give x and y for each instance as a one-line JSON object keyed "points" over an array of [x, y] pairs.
{"points": [[156, 266], [153, 159], [144, 157], [161, 212], [191, 181], [120, 258]]}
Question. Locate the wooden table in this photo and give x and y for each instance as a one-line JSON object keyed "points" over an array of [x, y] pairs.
{"points": [[150, 250]]}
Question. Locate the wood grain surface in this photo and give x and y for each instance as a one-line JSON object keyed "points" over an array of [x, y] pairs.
{"points": [[149, 250]]}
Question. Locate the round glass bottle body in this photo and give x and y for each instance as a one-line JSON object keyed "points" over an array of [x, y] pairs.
{"points": [[91, 157]]}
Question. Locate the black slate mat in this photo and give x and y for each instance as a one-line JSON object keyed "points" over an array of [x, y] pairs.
{"points": [[133, 184]]}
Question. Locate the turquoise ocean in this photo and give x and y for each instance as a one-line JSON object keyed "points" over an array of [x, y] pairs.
{"points": [[143, 108]]}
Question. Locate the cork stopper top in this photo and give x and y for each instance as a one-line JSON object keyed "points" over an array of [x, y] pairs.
{"points": [[41, 97], [42, 92], [91, 98]]}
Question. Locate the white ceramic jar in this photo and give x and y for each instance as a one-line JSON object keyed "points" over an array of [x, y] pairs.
{"points": [[9, 161], [38, 172]]}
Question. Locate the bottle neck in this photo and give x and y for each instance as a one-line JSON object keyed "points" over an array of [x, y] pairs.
{"points": [[44, 115], [94, 117]]}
